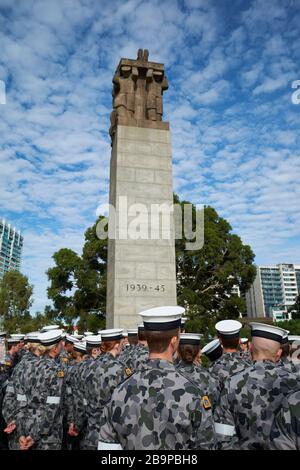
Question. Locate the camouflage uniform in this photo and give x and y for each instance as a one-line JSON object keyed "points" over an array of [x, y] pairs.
{"points": [[248, 402], [134, 355], [126, 354], [6, 370], [15, 397], [227, 365], [288, 364], [158, 408], [200, 377], [101, 378], [245, 355], [79, 400], [285, 433], [44, 410], [64, 359], [224, 367]]}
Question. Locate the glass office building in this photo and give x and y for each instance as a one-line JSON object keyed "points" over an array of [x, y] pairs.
{"points": [[274, 290], [11, 244]]}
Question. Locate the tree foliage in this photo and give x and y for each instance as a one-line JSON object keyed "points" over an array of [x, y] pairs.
{"points": [[15, 301], [206, 278], [78, 283]]}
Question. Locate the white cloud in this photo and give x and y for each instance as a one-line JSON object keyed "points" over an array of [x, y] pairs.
{"points": [[232, 147]]}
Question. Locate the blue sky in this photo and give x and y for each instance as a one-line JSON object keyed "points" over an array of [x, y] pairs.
{"points": [[235, 130]]}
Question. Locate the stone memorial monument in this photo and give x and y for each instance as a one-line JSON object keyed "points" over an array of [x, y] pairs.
{"points": [[141, 263]]}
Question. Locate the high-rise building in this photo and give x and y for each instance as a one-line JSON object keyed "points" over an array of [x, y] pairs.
{"points": [[274, 290], [11, 244]]}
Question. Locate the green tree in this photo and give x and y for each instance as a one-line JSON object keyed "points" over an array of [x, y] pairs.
{"points": [[295, 309], [206, 278], [15, 301], [78, 284]]}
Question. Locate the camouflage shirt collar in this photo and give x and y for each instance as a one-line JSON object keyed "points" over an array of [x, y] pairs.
{"points": [[264, 363], [159, 364]]}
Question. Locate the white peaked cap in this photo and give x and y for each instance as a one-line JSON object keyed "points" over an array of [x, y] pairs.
{"points": [[228, 328], [262, 330], [190, 338], [71, 339], [50, 328], [162, 318], [211, 346], [33, 337], [244, 340], [88, 333], [93, 341], [294, 338], [50, 338], [132, 331], [78, 337], [17, 336], [111, 334], [80, 346]]}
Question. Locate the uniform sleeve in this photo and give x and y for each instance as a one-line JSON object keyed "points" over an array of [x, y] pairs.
{"points": [[203, 428], [49, 408], [108, 439], [79, 402], [224, 423], [9, 405], [285, 432]]}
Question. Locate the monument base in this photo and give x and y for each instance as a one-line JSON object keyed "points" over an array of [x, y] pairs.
{"points": [[141, 272]]}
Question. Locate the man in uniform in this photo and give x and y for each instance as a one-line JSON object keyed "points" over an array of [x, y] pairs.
{"points": [[79, 355], [230, 362], [127, 353], [15, 398], [188, 364], [245, 349], [77, 384], [285, 360], [212, 350], [251, 398], [157, 408], [4, 374], [285, 433], [42, 424], [101, 378]]}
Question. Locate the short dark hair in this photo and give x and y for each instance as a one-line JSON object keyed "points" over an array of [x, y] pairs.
{"points": [[285, 350], [188, 352], [133, 340], [107, 346], [142, 335], [230, 343], [158, 341], [89, 349]]}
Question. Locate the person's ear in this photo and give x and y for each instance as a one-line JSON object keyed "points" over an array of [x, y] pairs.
{"points": [[175, 342], [278, 355]]}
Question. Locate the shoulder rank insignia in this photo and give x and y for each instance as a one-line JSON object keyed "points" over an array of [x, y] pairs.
{"points": [[128, 371], [205, 402], [8, 363], [60, 374]]}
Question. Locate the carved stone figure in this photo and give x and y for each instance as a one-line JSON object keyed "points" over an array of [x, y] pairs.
{"points": [[138, 87], [124, 91], [156, 84]]}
